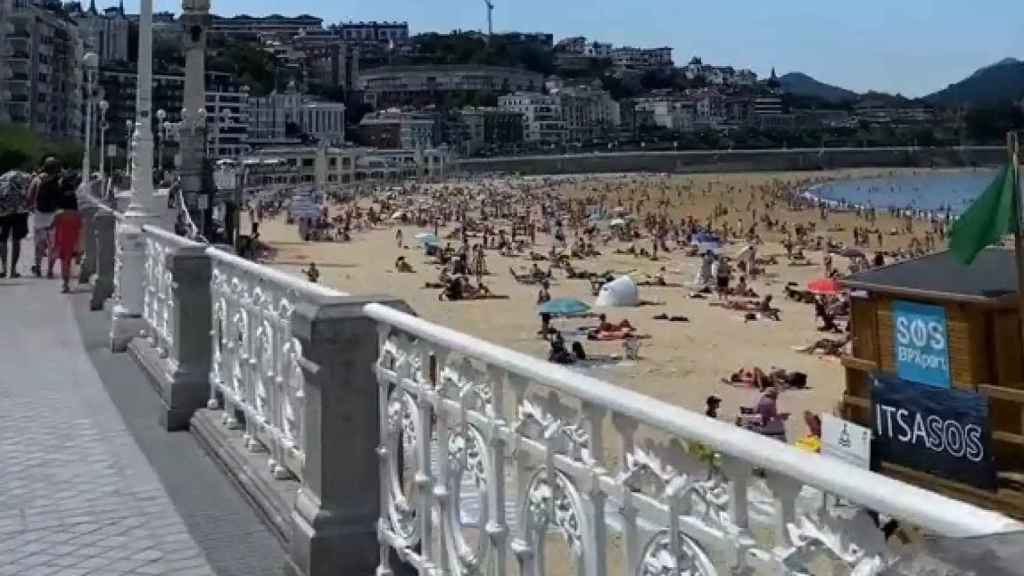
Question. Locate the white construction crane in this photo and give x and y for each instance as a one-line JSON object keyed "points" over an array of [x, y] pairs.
{"points": [[490, 24]]}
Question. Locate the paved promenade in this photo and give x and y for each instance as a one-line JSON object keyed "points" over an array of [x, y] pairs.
{"points": [[90, 486]]}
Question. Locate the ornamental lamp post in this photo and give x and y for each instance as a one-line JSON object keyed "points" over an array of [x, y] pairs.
{"points": [[161, 117], [91, 62], [129, 126], [104, 106]]}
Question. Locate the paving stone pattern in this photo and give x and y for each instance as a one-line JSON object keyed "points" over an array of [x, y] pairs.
{"points": [[77, 495]]}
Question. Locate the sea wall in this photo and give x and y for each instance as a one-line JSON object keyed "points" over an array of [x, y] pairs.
{"points": [[736, 160]]}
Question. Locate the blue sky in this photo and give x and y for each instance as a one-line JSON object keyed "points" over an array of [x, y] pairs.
{"points": [[910, 46]]}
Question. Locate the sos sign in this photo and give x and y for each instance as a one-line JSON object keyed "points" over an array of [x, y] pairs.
{"points": [[922, 343]]}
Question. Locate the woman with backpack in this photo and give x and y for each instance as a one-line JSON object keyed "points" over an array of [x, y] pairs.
{"points": [[44, 191]]}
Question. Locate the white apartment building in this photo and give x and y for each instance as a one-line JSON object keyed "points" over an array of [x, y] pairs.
{"points": [[285, 117], [327, 167], [383, 32], [227, 109], [668, 112], [542, 116], [42, 88], [104, 33], [588, 113], [642, 58], [413, 129]]}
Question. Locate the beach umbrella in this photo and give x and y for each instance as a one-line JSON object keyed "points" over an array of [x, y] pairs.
{"points": [[564, 308], [427, 238], [707, 243], [825, 287], [397, 215], [852, 253], [617, 222]]}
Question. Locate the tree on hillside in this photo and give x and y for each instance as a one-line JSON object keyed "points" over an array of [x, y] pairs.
{"points": [[989, 125], [249, 64]]}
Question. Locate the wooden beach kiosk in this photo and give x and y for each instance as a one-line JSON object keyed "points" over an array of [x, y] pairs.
{"points": [[937, 373]]}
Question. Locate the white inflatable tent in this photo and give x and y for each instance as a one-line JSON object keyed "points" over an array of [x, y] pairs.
{"points": [[619, 293]]}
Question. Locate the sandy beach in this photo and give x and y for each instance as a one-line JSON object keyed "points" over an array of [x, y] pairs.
{"points": [[681, 362]]}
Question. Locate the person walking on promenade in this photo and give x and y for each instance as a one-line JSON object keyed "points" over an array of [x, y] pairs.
{"points": [[67, 230], [13, 219], [42, 198]]}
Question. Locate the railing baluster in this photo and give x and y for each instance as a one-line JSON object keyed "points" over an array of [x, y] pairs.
{"points": [[627, 427], [497, 527], [595, 543], [785, 491], [433, 362], [383, 454], [521, 541], [424, 475]]}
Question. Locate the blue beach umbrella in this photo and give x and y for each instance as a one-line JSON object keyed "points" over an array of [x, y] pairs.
{"points": [[707, 243], [564, 308], [427, 238]]}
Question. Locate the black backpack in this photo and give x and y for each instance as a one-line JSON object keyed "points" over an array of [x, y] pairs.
{"points": [[48, 194]]}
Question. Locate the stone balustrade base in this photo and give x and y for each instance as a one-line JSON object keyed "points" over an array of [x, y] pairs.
{"points": [[182, 393], [273, 499], [123, 329]]}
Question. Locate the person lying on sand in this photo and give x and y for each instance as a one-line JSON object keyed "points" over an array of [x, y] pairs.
{"points": [[402, 266], [763, 307], [605, 326], [480, 292], [658, 280], [826, 346], [776, 377]]}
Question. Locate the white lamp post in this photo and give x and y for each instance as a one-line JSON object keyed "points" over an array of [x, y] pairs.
{"points": [[129, 126], [104, 105], [91, 63], [161, 119]]}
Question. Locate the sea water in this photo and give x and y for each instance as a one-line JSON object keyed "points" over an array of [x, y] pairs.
{"points": [[926, 190]]}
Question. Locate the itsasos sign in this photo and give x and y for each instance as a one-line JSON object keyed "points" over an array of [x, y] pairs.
{"points": [[941, 432], [922, 343]]}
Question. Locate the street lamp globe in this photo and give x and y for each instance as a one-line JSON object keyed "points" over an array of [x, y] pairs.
{"points": [[91, 60], [160, 114], [104, 106]]}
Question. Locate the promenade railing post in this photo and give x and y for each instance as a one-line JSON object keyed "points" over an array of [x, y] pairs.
{"points": [[87, 268], [189, 387], [337, 507], [104, 224]]}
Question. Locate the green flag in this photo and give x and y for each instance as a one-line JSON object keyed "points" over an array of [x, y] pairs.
{"points": [[992, 216]]}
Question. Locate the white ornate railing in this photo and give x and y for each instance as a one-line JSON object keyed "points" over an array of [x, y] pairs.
{"points": [[158, 285], [686, 494], [256, 363]]}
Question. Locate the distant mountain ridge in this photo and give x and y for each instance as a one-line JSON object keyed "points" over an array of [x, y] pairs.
{"points": [[999, 83], [800, 84]]}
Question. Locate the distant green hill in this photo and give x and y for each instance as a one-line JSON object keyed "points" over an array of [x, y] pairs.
{"points": [[801, 84], [1000, 83]]}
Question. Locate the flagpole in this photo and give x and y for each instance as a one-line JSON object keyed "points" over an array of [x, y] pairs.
{"points": [[1012, 148]]}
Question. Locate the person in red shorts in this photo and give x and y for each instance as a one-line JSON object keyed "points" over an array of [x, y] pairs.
{"points": [[67, 230]]}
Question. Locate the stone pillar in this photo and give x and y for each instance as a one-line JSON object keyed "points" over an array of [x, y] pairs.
{"points": [[129, 270], [88, 265], [188, 386], [337, 507], [103, 225]]}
